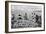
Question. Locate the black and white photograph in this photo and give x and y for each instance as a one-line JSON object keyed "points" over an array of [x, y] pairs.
{"points": [[25, 16]]}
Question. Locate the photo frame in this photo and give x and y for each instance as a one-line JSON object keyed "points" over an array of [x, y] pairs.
{"points": [[24, 16]]}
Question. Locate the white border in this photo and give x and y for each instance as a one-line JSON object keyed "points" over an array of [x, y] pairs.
{"points": [[25, 29]]}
